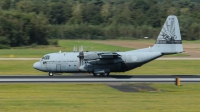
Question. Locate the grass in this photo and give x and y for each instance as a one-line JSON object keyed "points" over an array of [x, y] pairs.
{"points": [[191, 42], [177, 55], [65, 46], [23, 52], [156, 67], [97, 97], [18, 68], [91, 46], [166, 67], [154, 40]]}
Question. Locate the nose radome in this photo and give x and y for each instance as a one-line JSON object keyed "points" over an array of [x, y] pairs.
{"points": [[37, 65]]}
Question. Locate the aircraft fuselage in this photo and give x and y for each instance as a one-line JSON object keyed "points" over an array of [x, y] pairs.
{"points": [[69, 62]]}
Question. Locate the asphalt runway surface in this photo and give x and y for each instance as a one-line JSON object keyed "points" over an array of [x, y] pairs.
{"points": [[111, 78]]}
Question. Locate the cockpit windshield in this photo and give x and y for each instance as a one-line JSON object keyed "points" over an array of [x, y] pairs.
{"points": [[46, 57]]}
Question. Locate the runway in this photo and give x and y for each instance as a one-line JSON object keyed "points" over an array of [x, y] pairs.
{"points": [[112, 78]]}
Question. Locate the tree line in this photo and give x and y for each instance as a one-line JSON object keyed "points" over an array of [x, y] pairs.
{"points": [[26, 22]]}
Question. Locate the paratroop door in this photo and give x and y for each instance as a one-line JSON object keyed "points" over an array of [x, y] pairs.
{"points": [[58, 67]]}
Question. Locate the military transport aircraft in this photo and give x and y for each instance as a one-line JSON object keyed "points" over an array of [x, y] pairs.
{"points": [[102, 63]]}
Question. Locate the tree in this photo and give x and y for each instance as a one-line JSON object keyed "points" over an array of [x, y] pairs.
{"points": [[59, 12], [31, 20], [22, 28], [91, 14], [106, 12], [77, 14], [154, 18]]}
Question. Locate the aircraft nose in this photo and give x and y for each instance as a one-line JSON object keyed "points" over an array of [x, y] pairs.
{"points": [[37, 65]]}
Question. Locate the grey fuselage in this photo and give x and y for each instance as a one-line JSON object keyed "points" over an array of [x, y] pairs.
{"points": [[69, 62]]}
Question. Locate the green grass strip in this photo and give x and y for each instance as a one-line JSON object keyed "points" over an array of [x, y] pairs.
{"points": [[156, 67], [48, 97], [65, 46], [168, 67]]}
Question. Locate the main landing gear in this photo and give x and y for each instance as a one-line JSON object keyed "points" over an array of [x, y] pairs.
{"points": [[51, 73], [101, 74]]}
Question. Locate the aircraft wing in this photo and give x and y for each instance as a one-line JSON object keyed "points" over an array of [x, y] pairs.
{"points": [[101, 55], [108, 55]]}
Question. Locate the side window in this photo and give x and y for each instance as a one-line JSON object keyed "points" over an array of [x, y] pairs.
{"points": [[47, 57]]}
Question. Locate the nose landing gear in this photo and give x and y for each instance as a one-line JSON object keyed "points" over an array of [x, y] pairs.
{"points": [[51, 73]]}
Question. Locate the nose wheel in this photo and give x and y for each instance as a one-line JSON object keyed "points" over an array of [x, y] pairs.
{"points": [[51, 73]]}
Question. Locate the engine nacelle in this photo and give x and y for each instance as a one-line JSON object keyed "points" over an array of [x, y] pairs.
{"points": [[91, 56], [86, 68]]}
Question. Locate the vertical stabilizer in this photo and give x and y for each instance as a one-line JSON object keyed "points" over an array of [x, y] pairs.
{"points": [[169, 40]]}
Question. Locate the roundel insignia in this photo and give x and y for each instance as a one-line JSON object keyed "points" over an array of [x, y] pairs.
{"points": [[134, 58]]}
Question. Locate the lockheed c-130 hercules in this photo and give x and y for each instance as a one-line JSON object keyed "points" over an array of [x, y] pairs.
{"points": [[102, 63]]}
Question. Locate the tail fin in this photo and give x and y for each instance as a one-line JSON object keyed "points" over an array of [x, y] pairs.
{"points": [[169, 40]]}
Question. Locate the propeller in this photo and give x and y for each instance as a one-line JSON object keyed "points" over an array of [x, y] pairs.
{"points": [[75, 49], [81, 55], [81, 49]]}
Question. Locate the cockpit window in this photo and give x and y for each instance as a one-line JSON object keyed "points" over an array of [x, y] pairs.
{"points": [[47, 57]]}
